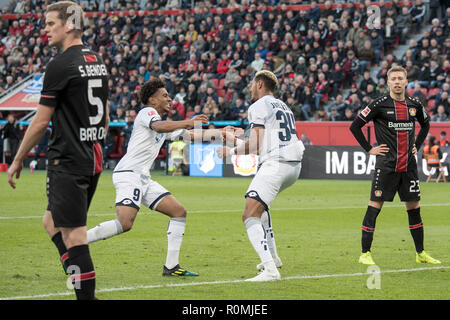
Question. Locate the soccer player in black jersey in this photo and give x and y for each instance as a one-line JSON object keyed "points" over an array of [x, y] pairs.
{"points": [[394, 116], [74, 98]]}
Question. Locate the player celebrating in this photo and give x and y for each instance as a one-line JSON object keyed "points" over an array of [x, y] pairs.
{"points": [[274, 138], [131, 176], [394, 116], [74, 98]]}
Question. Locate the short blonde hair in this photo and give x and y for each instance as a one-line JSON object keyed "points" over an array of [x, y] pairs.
{"points": [[397, 69]]}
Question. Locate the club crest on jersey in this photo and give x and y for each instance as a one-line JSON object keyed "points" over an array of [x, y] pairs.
{"points": [[90, 58], [378, 193], [412, 112], [365, 112], [151, 113]]}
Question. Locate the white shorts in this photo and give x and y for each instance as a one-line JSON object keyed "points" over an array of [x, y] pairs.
{"points": [[272, 178], [132, 189]]}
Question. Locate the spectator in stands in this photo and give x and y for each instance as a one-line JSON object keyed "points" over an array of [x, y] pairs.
{"points": [[441, 115], [443, 142], [13, 132], [423, 77], [336, 80], [307, 102], [435, 74], [197, 111], [377, 44], [305, 139], [257, 63], [335, 115], [445, 88], [321, 89], [126, 131], [419, 94], [441, 100], [403, 23], [354, 32], [188, 46], [339, 104], [417, 12], [350, 67], [366, 56], [118, 116], [390, 33], [349, 114], [191, 98], [367, 79], [321, 115]]}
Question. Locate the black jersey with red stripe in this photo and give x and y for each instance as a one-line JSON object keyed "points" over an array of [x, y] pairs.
{"points": [[394, 123], [75, 84]]}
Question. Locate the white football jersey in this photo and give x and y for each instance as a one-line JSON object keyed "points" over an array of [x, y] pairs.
{"points": [[145, 143], [280, 140]]}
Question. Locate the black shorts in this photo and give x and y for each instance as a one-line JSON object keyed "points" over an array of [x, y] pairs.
{"points": [[69, 197], [386, 183]]}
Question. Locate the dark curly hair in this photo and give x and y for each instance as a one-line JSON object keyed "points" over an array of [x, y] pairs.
{"points": [[150, 88]]}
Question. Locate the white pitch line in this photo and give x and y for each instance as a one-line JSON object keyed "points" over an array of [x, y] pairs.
{"points": [[240, 210], [156, 286]]}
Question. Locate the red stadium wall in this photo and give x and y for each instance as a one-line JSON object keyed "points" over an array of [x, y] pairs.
{"points": [[338, 133]]}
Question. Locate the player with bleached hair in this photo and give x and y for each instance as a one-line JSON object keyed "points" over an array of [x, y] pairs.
{"points": [[274, 138]]}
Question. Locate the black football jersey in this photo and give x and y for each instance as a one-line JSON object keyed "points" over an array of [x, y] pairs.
{"points": [[394, 123], [75, 84]]}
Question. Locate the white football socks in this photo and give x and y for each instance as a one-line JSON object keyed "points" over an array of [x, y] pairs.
{"points": [[104, 231], [175, 233], [266, 222], [256, 235]]}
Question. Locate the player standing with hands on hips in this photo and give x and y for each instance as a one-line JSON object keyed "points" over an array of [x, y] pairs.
{"points": [[394, 116], [274, 138], [74, 98]]}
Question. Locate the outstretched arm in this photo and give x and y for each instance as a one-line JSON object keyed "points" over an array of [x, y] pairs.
{"points": [[170, 126], [250, 146]]}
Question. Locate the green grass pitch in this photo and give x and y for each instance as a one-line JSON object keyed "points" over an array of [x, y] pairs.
{"points": [[317, 228]]}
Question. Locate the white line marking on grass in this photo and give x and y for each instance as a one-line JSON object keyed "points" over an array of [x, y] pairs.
{"points": [[171, 285], [240, 210]]}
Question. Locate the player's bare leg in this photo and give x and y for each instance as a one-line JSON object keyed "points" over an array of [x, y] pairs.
{"points": [[56, 237], [123, 223], [252, 221], [368, 228], [416, 229], [170, 206]]}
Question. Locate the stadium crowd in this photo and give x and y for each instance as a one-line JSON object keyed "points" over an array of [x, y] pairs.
{"points": [[207, 53]]}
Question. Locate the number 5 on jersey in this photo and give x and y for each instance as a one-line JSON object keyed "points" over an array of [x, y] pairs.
{"points": [[95, 101]]}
